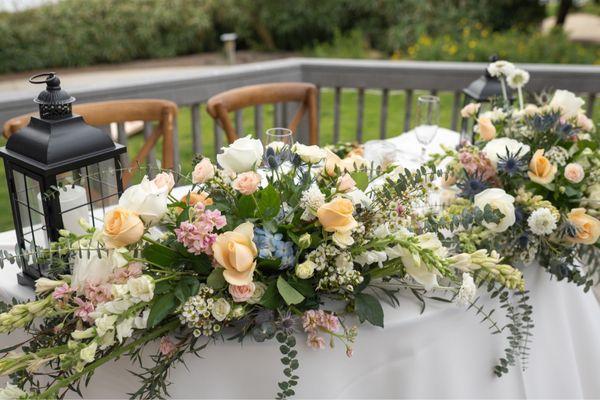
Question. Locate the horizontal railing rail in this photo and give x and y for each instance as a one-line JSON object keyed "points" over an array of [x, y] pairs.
{"points": [[338, 76]]}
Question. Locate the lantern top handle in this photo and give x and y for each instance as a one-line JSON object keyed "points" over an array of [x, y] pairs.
{"points": [[51, 80], [56, 102]]}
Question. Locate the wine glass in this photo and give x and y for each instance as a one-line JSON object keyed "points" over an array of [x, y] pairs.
{"points": [[279, 139], [428, 118]]}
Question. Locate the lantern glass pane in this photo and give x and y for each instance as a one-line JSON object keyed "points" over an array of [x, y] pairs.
{"points": [[88, 193], [31, 211]]}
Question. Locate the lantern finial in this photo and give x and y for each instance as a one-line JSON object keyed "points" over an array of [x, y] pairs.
{"points": [[54, 102]]}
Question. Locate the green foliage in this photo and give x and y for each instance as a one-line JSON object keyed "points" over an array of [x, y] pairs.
{"points": [[368, 308], [162, 307], [290, 364], [287, 291]]}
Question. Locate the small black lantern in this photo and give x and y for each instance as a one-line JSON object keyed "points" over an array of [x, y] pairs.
{"points": [[483, 90], [59, 170]]}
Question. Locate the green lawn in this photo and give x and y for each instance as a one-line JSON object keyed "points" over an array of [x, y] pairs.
{"points": [[348, 120]]}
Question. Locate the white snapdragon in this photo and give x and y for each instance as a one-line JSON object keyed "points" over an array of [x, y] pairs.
{"points": [[94, 266], [542, 221], [371, 257], [12, 392], [88, 353], [104, 324], [468, 290], [125, 329]]}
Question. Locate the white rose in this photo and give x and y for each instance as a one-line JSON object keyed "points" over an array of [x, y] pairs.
{"points": [[241, 156], [259, 291], [497, 148], [305, 270], [12, 392], [309, 154], [141, 289], [88, 353], [147, 200], [104, 324], [125, 329], [500, 200], [95, 268], [220, 309], [568, 104]]}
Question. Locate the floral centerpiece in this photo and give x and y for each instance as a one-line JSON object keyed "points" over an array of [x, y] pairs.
{"points": [[278, 243], [538, 165]]}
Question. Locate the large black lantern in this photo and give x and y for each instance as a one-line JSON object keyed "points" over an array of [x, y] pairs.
{"points": [[483, 90], [59, 171]]}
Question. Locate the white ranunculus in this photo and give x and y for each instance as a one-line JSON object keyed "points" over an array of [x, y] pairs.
{"points": [[220, 309], [125, 329], [305, 270], [95, 268], [503, 202], [568, 104], [141, 289], [309, 154], [88, 353], [104, 324], [497, 148], [241, 156], [147, 200]]}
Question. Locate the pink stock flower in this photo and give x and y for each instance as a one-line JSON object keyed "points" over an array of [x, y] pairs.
{"points": [[477, 164], [314, 319], [198, 236], [315, 341], [84, 310], [214, 218], [329, 322], [62, 292], [310, 320], [167, 347], [97, 292], [132, 270]]}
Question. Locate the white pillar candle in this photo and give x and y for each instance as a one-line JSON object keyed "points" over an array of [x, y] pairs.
{"points": [[74, 196]]}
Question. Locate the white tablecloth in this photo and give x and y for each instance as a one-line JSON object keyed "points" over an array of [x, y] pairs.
{"points": [[444, 352]]}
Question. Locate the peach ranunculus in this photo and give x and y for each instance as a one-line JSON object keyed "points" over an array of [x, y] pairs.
{"points": [[246, 182], [122, 227], [349, 164], [345, 183], [336, 216], [541, 170], [470, 110], [164, 180], [487, 130], [332, 161], [194, 198], [242, 293], [574, 173], [236, 252], [203, 171], [588, 227]]}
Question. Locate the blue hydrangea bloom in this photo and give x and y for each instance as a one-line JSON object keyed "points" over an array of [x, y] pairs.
{"points": [[272, 246]]}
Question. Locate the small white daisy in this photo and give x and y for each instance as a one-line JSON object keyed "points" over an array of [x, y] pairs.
{"points": [[542, 221]]}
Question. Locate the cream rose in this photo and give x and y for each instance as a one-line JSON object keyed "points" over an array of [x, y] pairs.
{"points": [[345, 183], [141, 288], [164, 181], [305, 270], [242, 293], [588, 227], [470, 110], [309, 154], [501, 201], [486, 128], [574, 173], [497, 148], [203, 171], [242, 155], [541, 170], [147, 200], [247, 182], [121, 228], [236, 252], [220, 309], [259, 291], [568, 104]]}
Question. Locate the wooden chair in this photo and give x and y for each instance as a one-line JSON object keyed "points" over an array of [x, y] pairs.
{"points": [[220, 105], [120, 111]]}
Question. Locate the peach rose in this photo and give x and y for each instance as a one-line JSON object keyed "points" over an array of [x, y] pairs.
{"points": [[588, 227], [165, 181], [331, 162], [194, 198], [353, 162], [336, 216], [574, 173], [469, 110], [242, 293], [541, 170], [345, 183], [584, 122], [487, 130], [122, 227], [246, 182], [236, 252], [203, 171]]}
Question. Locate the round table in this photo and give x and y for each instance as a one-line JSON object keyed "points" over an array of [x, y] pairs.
{"points": [[443, 352]]}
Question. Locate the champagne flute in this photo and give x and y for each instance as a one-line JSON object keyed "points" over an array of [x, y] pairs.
{"points": [[278, 143], [428, 118]]}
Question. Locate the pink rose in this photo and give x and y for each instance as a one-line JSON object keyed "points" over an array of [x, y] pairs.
{"points": [[345, 183], [487, 130], [203, 171], [584, 122], [167, 347], [246, 182], [241, 293], [164, 180], [574, 173], [470, 110]]}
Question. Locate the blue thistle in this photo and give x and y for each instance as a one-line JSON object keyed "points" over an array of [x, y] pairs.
{"points": [[512, 164], [473, 185]]}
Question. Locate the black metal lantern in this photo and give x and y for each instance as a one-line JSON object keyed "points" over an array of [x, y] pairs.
{"points": [[59, 170], [483, 90]]}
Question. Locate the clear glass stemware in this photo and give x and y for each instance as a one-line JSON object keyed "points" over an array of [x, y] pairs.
{"points": [[427, 122]]}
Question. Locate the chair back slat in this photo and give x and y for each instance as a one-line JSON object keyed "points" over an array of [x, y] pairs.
{"points": [[196, 129], [408, 109], [336, 114], [360, 108], [383, 113]]}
